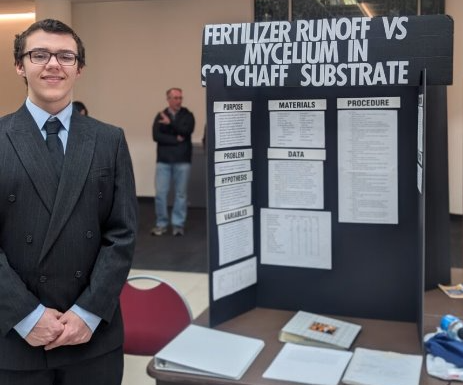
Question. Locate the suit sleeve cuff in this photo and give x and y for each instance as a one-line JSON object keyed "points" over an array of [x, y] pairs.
{"points": [[25, 326], [90, 319]]}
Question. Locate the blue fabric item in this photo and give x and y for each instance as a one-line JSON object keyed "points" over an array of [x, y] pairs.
{"points": [[442, 346]]}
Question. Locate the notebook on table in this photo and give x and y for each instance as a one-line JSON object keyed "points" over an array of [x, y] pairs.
{"points": [[209, 352]]}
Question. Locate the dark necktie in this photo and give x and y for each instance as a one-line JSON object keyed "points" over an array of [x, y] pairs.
{"points": [[54, 144]]}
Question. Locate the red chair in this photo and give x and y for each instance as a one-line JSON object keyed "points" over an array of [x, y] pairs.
{"points": [[152, 316]]}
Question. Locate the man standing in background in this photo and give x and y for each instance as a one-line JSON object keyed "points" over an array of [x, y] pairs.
{"points": [[172, 129]]}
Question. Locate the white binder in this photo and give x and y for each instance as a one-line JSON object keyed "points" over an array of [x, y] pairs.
{"points": [[209, 352]]}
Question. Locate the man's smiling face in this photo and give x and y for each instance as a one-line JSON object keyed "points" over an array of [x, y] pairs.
{"points": [[49, 85]]}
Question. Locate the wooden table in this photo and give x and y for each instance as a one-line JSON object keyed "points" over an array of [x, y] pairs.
{"points": [[262, 323]]}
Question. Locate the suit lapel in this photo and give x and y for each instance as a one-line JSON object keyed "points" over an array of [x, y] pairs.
{"points": [[33, 154], [79, 154]]}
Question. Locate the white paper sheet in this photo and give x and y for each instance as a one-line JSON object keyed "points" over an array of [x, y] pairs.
{"points": [[419, 178], [420, 129], [232, 129], [296, 154], [232, 155], [308, 365], [236, 240], [234, 278], [232, 106], [229, 179], [232, 167], [233, 196], [297, 238], [233, 215], [368, 103], [367, 166], [376, 367], [295, 184], [304, 129]]}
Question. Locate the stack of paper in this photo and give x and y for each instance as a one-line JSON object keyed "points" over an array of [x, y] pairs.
{"points": [[209, 352], [308, 365], [375, 367]]}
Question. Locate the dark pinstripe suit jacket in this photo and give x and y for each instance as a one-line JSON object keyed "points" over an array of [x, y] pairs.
{"points": [[67, 241]]}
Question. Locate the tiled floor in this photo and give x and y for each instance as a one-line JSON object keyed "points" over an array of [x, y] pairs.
{"points": [[194, 286]]}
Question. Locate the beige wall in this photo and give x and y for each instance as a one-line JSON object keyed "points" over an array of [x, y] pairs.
{"points": [[137, 50], [56, 9], [12, 87], [455, 112]]}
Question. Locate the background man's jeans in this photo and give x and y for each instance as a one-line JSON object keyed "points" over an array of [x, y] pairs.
{"points": [[179, 174]]}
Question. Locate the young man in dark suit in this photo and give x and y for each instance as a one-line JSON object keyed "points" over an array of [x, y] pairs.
{"points": [[68, 217]]}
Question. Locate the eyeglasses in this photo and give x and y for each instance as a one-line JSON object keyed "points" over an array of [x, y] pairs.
{"points": [[43, 57]]}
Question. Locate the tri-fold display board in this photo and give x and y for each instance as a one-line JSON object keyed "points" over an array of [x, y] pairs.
{"points": [[316, 143]]}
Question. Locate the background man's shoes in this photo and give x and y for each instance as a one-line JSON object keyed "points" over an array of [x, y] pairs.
{"points": [[158, 230], [178, 231]]}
